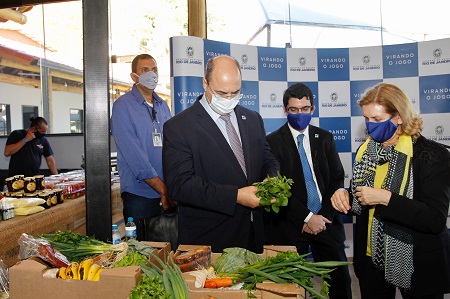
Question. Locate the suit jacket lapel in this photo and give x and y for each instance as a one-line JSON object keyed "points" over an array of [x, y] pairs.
{"points": [[289, 140], [314, 143], [210, 126], [206, 121]]}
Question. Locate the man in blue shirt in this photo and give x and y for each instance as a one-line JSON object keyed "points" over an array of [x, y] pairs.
{"points": [[137, 126]]}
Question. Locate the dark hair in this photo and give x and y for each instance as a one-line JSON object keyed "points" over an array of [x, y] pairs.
{"points": [[136, 60], [210, 66], [298, 90], [37, 121]]}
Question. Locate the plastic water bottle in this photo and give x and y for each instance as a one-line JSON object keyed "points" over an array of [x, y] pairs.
{"points": [[116, 238], [130, 229]]}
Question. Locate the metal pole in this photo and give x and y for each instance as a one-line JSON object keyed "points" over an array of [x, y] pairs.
{"points": [[96, 125]]}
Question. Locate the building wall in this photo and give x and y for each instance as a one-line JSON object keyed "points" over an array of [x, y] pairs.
{"points": [[17, 96], [68, 150], [62, 103]]}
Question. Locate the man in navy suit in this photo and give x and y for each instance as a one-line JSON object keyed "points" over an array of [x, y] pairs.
{"points": [[299, 223], [218, 205]]}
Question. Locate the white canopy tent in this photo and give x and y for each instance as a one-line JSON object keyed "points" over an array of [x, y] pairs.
{"points": [[329, 23]]}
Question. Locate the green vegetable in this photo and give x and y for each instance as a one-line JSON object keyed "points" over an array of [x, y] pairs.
{"points": [[274, 187], [172, 280], [286, 267], [141, 247], [235, 258], [137, 254], [76, 246], [150, 287], [133, 258]]}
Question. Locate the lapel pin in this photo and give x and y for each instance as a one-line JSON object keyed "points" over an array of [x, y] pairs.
{"points": [[316, 135], [244, 117]]}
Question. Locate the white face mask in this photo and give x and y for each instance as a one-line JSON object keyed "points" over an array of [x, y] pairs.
{"points": [[149, 79], [223, 105]]}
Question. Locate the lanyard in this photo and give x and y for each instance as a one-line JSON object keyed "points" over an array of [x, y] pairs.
{"points": [[152, 112]]}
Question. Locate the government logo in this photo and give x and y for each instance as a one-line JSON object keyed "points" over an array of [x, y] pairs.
{"points": [[273, 97], [244, 58], [366, 59], [190, 51], [334, 97], [437, 53], [302, 60]]}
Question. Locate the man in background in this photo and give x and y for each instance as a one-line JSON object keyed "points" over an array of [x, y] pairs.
{"points": [[213, 152], [308, 155], [137, 126], [26, 148]]}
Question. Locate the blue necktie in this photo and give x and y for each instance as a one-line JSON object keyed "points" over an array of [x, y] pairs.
{"points": [[314, 204]]}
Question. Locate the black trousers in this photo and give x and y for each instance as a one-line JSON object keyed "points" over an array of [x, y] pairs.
{"points": [[373, 285], [141, 209], [325, 248]]}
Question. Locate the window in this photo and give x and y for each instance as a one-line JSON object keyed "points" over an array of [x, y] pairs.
{"points": [[27, 113], [5, 120], [76, 121]]}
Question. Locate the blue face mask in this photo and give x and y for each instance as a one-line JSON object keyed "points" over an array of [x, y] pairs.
{"points": [[299, 121], [382, 131]]}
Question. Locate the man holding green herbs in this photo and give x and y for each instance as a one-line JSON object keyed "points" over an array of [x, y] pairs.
{"points": [[213, 152]]}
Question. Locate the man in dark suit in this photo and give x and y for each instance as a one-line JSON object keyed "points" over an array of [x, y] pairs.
{"points": [[302, 223], [212, 182]]}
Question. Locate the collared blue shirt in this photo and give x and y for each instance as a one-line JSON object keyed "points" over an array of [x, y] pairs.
{"points": [[132, 126]]}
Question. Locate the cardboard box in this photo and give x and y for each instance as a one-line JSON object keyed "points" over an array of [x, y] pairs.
{"points": [[162, 250], [265, 290], [26, 281]]}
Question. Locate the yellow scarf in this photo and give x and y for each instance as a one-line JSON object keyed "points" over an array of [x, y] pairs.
{"points": [[405, 146]]}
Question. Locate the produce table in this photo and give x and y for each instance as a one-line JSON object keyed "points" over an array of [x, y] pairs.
{"points": [[70, 215]]}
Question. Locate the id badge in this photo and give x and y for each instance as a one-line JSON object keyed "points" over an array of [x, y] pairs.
{"points": [[157, 140]]}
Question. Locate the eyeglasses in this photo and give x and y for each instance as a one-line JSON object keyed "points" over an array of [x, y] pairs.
{"points": [[221, 94], [304, 109]]}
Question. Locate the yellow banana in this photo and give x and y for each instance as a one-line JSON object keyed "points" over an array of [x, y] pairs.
{"points": [[68, 272], [83, 268], [75, 267], [97, 275], [72, 271], [92, 271], [62, 273]]}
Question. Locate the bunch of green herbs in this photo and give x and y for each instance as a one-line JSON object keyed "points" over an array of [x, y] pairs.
{"points": [[277, 187]]}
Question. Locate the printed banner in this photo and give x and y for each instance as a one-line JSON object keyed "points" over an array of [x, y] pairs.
{"points": [[337, 77]]}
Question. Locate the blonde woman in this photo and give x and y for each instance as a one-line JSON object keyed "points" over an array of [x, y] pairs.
{"points": [[400, 193]]}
